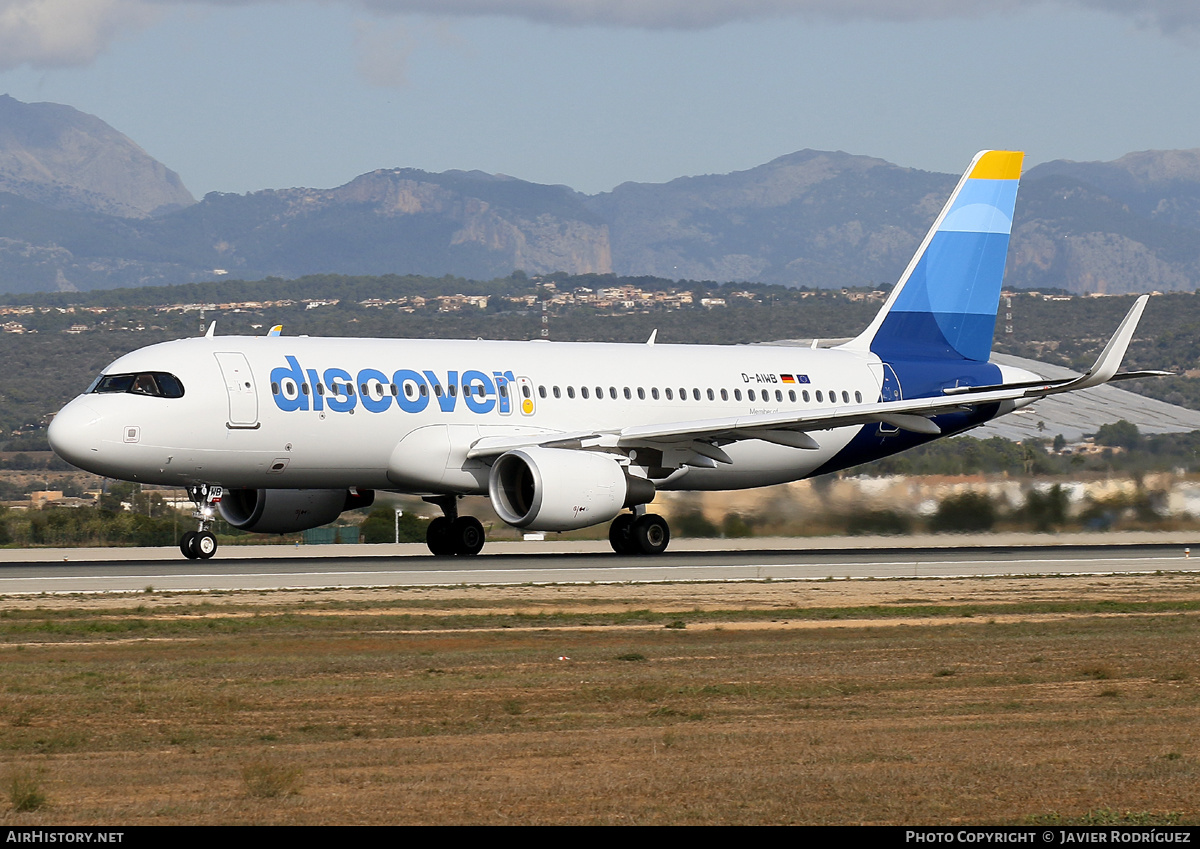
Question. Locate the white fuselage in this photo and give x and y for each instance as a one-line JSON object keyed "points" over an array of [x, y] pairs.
{"points": [[276, 413]]}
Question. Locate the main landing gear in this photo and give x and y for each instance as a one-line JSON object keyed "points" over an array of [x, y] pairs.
{"points": [[631, 533], [452, 534], [201, 544]]}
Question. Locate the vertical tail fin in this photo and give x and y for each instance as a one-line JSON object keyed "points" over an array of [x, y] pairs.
{"points": [[944, 306]]}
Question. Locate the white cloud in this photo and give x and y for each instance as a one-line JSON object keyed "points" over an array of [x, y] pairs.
{"points": [[56, 33], [383, 50]]}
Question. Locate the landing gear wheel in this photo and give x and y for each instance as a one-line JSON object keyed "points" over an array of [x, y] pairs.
{"points": [[620, 534], [651, 534], [205, 545], [200, 544], [466, 534], [439, 537]]}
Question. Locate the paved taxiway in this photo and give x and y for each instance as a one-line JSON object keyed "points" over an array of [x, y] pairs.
{"points": [[344, 566]]}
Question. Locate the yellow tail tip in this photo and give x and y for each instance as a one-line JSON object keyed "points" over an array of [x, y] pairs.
{"points": [[998, 165]]}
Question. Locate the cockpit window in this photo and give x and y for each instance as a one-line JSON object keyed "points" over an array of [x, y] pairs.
{"points": [[157, 384]]}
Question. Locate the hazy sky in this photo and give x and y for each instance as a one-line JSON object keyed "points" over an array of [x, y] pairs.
{"points": [[239, 95]]}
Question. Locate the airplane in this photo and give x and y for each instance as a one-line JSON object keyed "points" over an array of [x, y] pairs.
{"points": [[280, 434]]}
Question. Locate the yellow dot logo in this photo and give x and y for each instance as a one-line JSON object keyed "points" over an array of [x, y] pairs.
{"points": [[527, 406]]}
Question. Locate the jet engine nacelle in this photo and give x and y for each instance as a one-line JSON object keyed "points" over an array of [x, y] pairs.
{"points": [[284, 511], [557, 489]]}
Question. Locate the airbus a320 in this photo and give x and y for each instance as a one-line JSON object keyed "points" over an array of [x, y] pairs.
{"points": [[281, 434]]}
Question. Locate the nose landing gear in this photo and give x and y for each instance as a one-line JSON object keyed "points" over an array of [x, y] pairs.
{"points": [[201, 544]]}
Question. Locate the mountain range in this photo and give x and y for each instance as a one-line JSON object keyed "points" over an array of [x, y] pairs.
{"points": [[83, 207]]}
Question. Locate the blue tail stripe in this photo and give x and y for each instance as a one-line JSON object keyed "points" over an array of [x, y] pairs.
{"points": [[925, 335], [974, 261], [957, 320], [947, 305], [983, 206]]}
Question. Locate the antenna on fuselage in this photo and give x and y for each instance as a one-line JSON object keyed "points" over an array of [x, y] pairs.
{"points": [[212, 331], [653, 336]]}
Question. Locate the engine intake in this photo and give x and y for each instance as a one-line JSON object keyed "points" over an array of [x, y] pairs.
{"points": [[557, 489]]}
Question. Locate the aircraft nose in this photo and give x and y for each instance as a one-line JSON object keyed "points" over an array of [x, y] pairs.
{"points": [[74, 434]]}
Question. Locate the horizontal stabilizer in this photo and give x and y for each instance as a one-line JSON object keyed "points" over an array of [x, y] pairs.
{"points": [[1131, 375]]}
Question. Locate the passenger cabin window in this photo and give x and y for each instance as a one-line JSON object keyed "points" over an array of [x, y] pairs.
{"points": [[156, 384]]}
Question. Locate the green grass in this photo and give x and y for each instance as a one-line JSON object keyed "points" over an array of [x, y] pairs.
{"points": [[25, 791]]}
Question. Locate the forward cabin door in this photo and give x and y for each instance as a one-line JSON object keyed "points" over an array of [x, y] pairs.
{"points": [[239, 385]]}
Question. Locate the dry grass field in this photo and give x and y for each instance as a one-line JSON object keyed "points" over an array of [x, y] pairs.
{"points": [[1018, 701]]}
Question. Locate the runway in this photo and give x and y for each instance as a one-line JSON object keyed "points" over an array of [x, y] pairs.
{"points": [[346, 566]]}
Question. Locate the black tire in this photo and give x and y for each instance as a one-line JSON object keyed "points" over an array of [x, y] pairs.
{"points": [[439, 537], [187, 544], [651, 534], [620, 534], [206, 545], [467, 535]]}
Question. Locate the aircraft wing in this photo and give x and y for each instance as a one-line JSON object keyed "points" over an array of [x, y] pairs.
{"points": [[793, 428]]}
